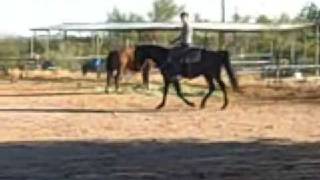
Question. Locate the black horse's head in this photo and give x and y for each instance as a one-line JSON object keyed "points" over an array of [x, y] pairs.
{"points": [[156, 53]]}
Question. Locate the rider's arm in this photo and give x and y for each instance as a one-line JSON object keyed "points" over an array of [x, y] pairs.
{"points": [[185, 32], [176, 39]]}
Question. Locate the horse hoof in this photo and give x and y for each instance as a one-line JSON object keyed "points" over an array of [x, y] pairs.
{"points": [[191, 104], [159, 107], [223, 107]]}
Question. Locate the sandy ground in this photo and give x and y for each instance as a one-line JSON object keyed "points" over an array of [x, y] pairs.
{"points": [[56, 130]]}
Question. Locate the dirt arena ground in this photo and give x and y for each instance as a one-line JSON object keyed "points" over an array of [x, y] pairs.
{"points": [[56, 130]]}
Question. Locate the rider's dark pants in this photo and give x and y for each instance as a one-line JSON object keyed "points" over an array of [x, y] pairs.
{"points": [[175, 66], [185, 45]]}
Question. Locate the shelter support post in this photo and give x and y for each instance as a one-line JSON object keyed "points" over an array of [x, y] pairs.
{"points": [[97, 44], [64, 43], [32, 45], [317, 58], [293, 49], [277, 57], [221, 41], [272, 48], [32, 52], [206, 40], [48, 45], [128, 41], [305, 47], [111, 45], [139, 36]]}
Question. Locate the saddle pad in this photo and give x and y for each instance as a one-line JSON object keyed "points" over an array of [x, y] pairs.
{"points": [[192, 56]]}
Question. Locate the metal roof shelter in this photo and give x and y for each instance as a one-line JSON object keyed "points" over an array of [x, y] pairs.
{"points": [[147, 26], [202, 27]]}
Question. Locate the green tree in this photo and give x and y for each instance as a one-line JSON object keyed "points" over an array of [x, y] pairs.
{"points": [[241, 19], [284, 18], [310, 12], [263, 19], [198, 18], [245, 19], [8, 48], [117, 16], [236, 17], [164, 10]]}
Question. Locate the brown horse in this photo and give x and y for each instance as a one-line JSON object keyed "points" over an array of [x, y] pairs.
{"points": [[119, 62]]}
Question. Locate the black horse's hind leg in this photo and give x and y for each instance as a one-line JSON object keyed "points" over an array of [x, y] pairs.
{"points": [[225, 96], [117, 81], [109, 76], [212, 87], [179, 93], [145, 76], [165, 93]]}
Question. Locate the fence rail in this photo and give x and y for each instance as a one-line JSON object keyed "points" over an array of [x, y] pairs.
{"points": [[243, 66]]}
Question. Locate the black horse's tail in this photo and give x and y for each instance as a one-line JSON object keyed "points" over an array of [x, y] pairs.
{"points": [[230, 71]]}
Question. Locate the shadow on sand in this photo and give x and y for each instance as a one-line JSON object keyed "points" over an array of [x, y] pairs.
{"points": [[167, 160], [50, 94], [86, 111]]}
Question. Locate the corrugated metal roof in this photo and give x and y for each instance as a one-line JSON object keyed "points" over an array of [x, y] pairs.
{"points": [[148, 26]]}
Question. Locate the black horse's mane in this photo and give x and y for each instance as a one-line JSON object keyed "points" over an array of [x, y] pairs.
{"points": [[152, 46]]}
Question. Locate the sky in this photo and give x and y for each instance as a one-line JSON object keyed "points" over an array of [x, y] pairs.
{"points": [[18, 16]]}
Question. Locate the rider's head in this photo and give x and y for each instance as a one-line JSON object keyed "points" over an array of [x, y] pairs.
{"points": [[184, 16]]}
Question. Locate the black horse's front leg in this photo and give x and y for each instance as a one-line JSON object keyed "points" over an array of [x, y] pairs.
{"points": [[109, 75], [225, 96], [117, 81], [212, 88], [165, 93], [145, 76], [179, 93]]}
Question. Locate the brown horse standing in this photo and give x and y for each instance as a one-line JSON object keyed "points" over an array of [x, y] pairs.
{"points": [[121, 61]]}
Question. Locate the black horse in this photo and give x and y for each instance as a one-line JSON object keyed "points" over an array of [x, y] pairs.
{"points": [[209, 65]]}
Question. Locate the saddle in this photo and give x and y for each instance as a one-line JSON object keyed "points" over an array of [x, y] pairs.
{"points": [[186, 55], [182, 59]]}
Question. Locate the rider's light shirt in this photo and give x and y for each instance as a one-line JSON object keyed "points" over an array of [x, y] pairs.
{"points": [[185, 38], [186, 34]]}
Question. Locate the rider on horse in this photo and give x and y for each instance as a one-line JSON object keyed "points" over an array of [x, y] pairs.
{"points": [[179, 54], [185, 38]]}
